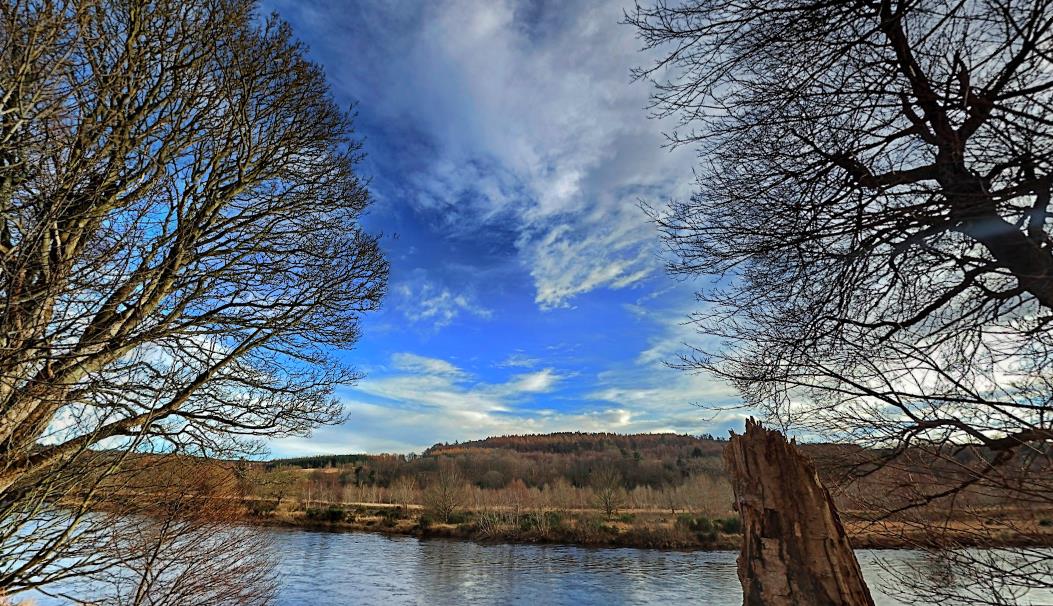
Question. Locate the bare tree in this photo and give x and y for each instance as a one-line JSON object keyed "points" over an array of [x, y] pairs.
{"points": [[607, 487], [873, 197], [404, 490], [445, 493], [179, 247], [183, 543]]}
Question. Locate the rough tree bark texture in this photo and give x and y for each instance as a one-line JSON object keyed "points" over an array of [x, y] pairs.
{"points": [[794, 549]]}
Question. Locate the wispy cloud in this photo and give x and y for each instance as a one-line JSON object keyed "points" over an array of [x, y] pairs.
{"points": [[421, 400], [502, 120], [542, 381], [509, 151], [437, 307], [378, 428], [648, 383], [424, 365], [518, 360]]}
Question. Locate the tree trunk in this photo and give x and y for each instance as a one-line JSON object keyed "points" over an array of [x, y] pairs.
{"points": [[794, 549]]}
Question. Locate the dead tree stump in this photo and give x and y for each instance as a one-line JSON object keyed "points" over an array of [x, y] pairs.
{"points": [[794, 549]]}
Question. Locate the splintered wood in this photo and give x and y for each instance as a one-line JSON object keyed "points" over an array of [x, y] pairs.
{"points": [[794, 551]]}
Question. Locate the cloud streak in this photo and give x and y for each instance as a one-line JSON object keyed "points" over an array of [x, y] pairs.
{"points": [[437, 307], [513, 125], [421, 400], [509, 151]]}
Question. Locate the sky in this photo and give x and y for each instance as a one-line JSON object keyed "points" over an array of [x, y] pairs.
{"points": [[508, 152]]}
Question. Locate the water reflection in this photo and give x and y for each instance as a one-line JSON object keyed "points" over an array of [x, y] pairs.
{"points": [[968, 576], [478, 574], [367, 569], [373, 569]]}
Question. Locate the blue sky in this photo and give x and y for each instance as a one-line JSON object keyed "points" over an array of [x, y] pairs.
{"points": [[508, 151]]}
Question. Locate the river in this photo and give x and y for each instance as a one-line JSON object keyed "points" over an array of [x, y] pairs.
{"points": [[322, 569]]}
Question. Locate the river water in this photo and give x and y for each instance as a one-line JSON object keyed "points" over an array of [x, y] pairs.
{"points": [[321, 569]]}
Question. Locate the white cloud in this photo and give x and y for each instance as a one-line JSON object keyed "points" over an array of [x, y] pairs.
{"points": [[435, 383], [572, 131], [424, 302], [376, 428], [681, 392], [672, 334], [427, 400], [571, 260], [424, 365], [534, 382], [518, 360], [649, 384], [531, 122], [440, 393]]}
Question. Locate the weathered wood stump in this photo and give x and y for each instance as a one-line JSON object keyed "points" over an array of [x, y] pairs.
{"points": [[794, 548]]}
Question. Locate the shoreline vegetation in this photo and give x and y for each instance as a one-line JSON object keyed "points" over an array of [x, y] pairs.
{"points": [[664, 491], [588, 528], [659, 491], [641, 529]]}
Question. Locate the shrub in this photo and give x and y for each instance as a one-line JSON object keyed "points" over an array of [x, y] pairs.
{"points": [[593, 528], [700, 524], [732, 525], [702, 527], [528, 522], [262, 508], [490, 524], [1045, 522], [541, 522], [492, 479], [331, 514], [393, 515], [458, 517]]}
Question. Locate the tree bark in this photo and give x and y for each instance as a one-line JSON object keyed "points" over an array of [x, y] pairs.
{"points": [[794, 549]]}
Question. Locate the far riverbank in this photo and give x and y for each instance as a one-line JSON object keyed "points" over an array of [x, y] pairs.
{"points": [[647, 529]]}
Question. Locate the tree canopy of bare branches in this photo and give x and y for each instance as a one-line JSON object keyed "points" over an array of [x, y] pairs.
{"points": [[446, 492], [180, 247], [179, 539], [873, 199], [608, 486]]}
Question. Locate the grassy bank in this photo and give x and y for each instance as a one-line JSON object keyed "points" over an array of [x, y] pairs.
{"points": [[641, 528], [644, 529]]}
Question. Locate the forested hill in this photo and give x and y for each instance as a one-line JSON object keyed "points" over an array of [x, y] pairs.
{"points": [[319, 461], [567, 442], [640, 462], [575, 442], [652, 470]]}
